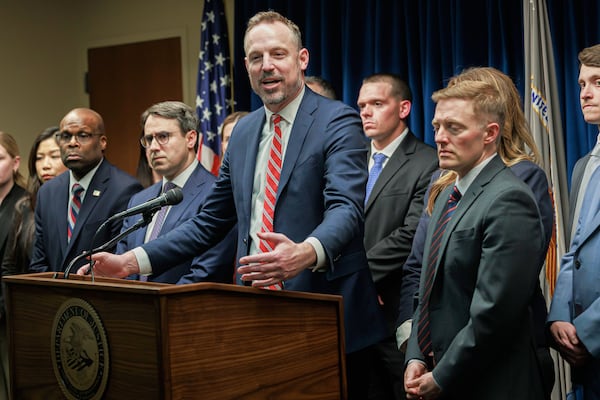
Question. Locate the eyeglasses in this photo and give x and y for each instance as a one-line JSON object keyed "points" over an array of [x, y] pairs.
{"points": [[80, 137], [162, 139]]}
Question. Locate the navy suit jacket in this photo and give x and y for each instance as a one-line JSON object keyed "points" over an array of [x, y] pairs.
{"points": [[108, 193], [321, 194], [215, 265]]}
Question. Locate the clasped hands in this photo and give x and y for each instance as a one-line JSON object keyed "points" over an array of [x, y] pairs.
{"points": [[568, 344], [419, 383]]}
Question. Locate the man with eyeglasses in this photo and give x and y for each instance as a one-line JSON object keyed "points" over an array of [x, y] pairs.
{"points": [[71, 207], [169, 136]]}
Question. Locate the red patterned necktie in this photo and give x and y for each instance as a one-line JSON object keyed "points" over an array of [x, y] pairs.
{"points": [[271, 185], [76, 191], [424, 331]]}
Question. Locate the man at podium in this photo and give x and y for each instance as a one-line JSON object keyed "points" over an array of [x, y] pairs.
{"points": [[293, 179]]}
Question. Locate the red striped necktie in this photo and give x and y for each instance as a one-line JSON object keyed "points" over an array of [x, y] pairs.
{"points": [[76, 191], [271, 185], [424, 329]]}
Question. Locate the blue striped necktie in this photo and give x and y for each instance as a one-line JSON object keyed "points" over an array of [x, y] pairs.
{"points": [[379, 159]]}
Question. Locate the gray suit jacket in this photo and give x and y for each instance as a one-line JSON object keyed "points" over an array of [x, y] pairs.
{"points": [[484, 280]]}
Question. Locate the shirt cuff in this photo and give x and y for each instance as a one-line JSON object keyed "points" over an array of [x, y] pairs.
{"points": [[403, 333], [143, 261], [321, 264]]}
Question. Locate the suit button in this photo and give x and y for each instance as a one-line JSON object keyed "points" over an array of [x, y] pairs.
{"points": [[577, 264]]}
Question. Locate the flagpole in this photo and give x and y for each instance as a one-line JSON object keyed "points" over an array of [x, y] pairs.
{"points": [[543, 113]]}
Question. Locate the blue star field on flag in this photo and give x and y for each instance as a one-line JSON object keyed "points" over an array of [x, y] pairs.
{"points": [[213, 96]]}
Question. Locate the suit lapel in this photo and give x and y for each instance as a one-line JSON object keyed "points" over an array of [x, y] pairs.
{"points": [[140, 234], [396, 161], [190, 190], [254, 131], [61, 217], [577, 177], [298, 133], [590, 228], [468, 198]]}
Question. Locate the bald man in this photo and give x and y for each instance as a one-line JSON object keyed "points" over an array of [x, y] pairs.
{"points": [[66, 222]]}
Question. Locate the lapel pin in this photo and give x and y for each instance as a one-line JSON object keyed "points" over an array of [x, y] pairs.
{"points": [[96, 193]]}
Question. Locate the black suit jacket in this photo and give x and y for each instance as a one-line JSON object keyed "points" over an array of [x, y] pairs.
{"points": [[108, 193], [7, 212], [391, 217]]}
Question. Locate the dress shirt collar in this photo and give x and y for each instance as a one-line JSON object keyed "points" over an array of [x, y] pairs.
{"points": [[181, 179], [390, 148], [288, 113], [463, 183], [86, 180]]}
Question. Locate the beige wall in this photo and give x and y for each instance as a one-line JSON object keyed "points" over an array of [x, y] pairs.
{"points": [[43, 47]]}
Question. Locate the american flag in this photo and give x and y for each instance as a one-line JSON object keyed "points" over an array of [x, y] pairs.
{"points": [[213, 95]]}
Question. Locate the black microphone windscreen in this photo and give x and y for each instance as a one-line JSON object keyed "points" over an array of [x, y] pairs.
{"points": [[174, 196]]}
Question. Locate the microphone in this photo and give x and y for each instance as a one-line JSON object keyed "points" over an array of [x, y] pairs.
{"points": [[168, 198]]}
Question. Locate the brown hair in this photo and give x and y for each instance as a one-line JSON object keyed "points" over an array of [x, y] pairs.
{"points": [[400, 90], [590, 56], [272, 17], [232, 118]]}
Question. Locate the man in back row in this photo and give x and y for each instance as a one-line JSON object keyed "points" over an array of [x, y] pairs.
{"points": [[400, 166], [293, 179]]}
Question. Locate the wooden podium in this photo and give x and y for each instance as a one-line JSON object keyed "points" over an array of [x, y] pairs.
{"points": [[118, 339]]}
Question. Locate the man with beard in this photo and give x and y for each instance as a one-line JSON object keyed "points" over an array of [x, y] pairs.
{"points": [[293, 179]]}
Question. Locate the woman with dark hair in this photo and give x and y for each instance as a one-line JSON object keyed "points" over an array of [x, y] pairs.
{"points": [[44, 164]]}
